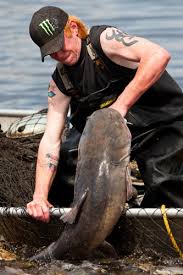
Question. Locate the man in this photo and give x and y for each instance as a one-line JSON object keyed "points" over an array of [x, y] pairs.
{"points": [[110, 69]]}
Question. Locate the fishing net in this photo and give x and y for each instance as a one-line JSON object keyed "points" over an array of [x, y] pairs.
{"points": [[149, 234], [17, 169], [17, 176]]}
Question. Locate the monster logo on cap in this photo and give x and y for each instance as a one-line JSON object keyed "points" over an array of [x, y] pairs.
{"points": [[47, 27]]}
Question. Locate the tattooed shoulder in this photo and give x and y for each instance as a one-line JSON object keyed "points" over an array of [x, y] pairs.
{"points": [[121, 37]]}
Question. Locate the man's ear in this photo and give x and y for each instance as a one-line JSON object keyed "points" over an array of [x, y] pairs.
{"points": [[74, 27]]}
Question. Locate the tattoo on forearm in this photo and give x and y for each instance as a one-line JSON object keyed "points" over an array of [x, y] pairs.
{"points": [[52, 162], [51, 94], [122, 37]]}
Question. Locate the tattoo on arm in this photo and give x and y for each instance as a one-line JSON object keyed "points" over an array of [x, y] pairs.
{"points": [[51, 94], [122, 37], [52, 162]]}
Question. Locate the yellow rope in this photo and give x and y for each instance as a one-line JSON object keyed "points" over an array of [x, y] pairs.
{"points": [[166, 223]]}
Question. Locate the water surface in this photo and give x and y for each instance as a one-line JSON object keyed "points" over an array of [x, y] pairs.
{"points": [[24, 78]]}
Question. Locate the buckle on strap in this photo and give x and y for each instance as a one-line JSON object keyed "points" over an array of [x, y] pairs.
{"points": [[92, 53]]}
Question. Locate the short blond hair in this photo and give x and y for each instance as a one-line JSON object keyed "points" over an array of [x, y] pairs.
{"points": [[82, 28]]}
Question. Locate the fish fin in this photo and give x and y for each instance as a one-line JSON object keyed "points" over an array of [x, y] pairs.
{"points": [[108, 250], [104, 250], [71, 216], [131, 191], [45, 255]]}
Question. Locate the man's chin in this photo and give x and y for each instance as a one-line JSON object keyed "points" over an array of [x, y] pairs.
{"points": [[70, 63]]}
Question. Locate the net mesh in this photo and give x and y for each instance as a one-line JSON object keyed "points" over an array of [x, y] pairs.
{"points": [[148, 235], [17, 169]]}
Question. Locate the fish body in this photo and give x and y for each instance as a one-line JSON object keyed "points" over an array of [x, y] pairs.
{"points": [[100, 189]]}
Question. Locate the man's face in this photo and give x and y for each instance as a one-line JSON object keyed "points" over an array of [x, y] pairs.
{"points": [[70, 53]]}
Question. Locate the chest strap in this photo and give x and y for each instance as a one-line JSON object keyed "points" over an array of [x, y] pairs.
{"points": [[92, 53], [64, 76]]}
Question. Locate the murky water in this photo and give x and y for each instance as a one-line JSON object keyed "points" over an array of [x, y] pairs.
{"points": [[135, 264]]}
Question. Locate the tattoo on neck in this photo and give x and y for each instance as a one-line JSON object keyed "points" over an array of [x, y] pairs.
{"points": [[122, 37], [52, 162]]}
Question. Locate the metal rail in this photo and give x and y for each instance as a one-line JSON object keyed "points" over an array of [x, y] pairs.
{"points": [[131, 213], [16, 113]]}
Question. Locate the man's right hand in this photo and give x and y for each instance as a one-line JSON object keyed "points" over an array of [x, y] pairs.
{"points": [[39, 209]]}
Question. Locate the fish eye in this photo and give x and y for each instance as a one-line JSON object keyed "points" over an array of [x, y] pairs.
{"points": [[21, 128]]}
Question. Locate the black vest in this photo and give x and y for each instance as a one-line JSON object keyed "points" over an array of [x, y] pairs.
{"points": [[98, 86]]}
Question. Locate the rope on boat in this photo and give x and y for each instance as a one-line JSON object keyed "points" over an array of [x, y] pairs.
{"points": [[168, 229]]}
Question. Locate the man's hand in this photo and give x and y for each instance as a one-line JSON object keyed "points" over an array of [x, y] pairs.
{"points": [[119, 107], [39, 209]]}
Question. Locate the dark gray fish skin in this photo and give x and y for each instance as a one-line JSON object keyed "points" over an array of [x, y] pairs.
{"points": [[100, 187]]}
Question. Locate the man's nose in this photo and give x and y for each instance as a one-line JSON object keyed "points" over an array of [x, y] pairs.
{"points": [[53, 55], [57, 55]]}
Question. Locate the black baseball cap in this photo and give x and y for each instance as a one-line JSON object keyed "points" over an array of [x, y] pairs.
{"points": [[47, 29]]}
